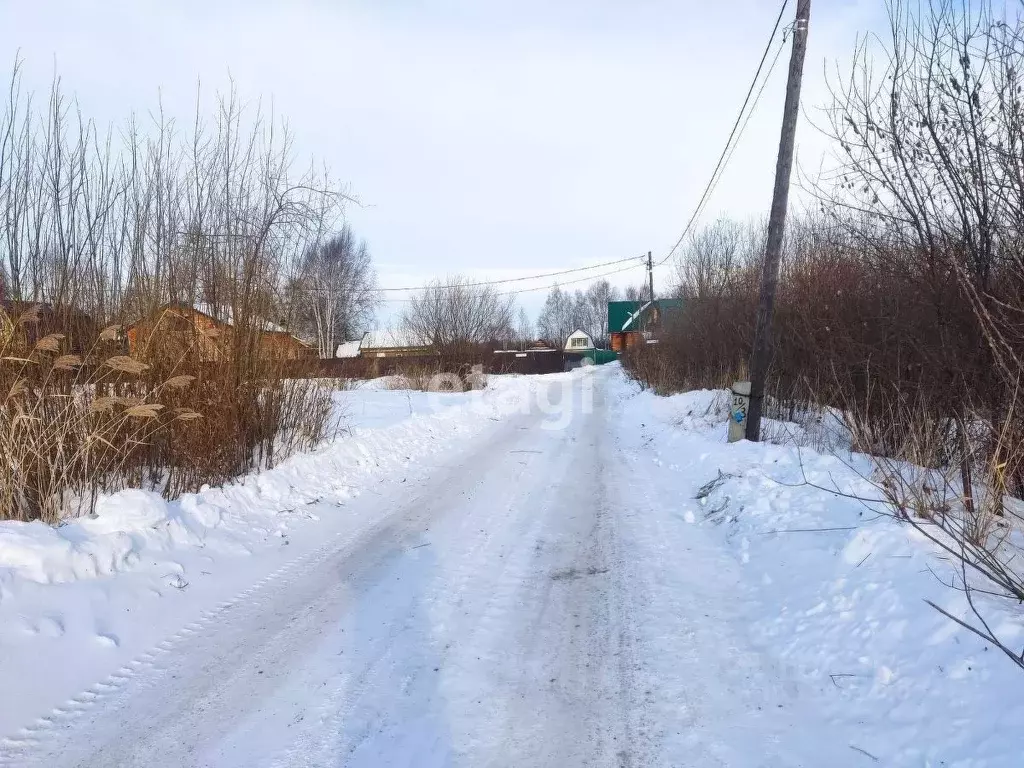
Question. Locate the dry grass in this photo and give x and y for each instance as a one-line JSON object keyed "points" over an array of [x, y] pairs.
{"points": [[73, 426], [157, 217], [70, 423]]}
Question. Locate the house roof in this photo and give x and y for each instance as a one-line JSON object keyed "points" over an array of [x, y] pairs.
{"points": [[13, 307], [619, 312], [578, 334], [223, 314], [390, 339], [632, 323], [628, 315], [348, 349]]}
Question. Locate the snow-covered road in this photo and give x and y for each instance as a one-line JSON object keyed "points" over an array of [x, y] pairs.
{"points": [[536, 595], [483, 619], [479, 621]]}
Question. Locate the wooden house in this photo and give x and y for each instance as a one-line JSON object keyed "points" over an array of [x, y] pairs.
{"points": [[209, 330], [25, 322], [638, 322], [282, 345]]}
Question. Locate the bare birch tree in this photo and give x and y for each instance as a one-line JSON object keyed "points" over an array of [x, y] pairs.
{"points": [[334, 297]]}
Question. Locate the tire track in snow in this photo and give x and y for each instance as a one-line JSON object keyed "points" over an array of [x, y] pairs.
{"points": [[154, 663], [478, 543], [39, 742], [16, 750], [497, 615]]}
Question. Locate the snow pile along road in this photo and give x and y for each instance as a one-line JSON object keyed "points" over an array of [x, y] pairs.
{"points": [[827, 589], [559, 571], [78, 601]]}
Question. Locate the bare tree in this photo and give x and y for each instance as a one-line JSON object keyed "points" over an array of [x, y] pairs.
{"points": [[452, 314], [597, 297], [930, 181], [335, 294], [715, 256], [107, 228], [565, 312], [636, 292], [555, 321], [524, 328]]}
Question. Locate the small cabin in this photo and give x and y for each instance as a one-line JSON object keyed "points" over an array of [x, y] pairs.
{"points": [[26, 322], [579, 341]]}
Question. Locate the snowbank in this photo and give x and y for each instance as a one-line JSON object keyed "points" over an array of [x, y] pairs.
{"points": [[79, 601], [831, 588], [133, 524]]}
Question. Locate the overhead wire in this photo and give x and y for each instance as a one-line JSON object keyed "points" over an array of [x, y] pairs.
{"points": [[512, 279], [737, 128], [572, 282], [635, 259], [753, 107], [549, 287]]}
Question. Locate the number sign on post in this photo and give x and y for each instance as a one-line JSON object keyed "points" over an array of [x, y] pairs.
{"points": [[738, 408]]}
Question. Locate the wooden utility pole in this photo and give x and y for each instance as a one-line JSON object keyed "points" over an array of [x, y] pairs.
{"points": [[760, 357], [650, 275]]}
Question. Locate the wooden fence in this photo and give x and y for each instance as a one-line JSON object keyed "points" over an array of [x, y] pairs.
{"points": [[529, 362]]}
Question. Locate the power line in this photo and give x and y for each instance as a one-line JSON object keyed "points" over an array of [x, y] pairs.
{"points": [[739, 125], [511, 279], [739, 135], [572, 282], [722, 158], [750, 112], [549, 287]]}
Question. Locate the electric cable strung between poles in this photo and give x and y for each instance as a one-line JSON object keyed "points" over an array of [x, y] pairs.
{"points": [[734, 134], [571, 282], [515, 279], [750, 113], [738, 127], [637, 265]]}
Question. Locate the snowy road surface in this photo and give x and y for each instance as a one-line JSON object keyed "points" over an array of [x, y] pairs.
{"points": [[518, 600]]}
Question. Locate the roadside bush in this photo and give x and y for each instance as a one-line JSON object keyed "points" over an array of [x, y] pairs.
{"points": [[900, 303], [95, 393], [73, 426]]}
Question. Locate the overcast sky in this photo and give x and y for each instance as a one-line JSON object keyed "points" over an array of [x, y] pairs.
{"points": [[486, 138]]}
